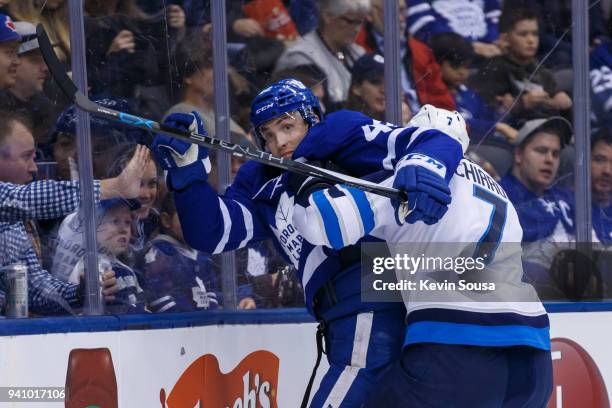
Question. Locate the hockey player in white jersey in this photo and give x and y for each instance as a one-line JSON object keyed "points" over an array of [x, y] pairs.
{"points": [[462, 348]]}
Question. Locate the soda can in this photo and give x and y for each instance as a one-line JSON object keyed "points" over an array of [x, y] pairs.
{"points": [[16, 276]]}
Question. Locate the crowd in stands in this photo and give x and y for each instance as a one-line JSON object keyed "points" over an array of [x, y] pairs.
{"points": [[505, 65]]}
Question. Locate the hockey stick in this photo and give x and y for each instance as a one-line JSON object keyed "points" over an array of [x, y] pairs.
{"points": [[77, 97]]}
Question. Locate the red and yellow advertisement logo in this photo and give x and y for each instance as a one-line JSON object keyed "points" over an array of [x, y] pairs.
{"points": [[252, 384]]}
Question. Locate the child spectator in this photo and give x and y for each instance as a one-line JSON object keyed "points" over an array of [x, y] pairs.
{"points": [[367, 90], [454, 54], [555, 22], [331, 47], [475, 21], [274, 281], [515, 74], [147, 215], [113, 237], [601, 179], [178, 278]]}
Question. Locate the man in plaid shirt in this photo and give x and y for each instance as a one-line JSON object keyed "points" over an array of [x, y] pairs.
{"points": [[22, 201]]}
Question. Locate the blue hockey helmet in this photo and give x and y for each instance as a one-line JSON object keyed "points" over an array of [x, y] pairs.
{"points": [[284, 96]]}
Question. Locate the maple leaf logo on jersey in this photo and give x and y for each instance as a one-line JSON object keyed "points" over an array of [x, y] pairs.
{"points": [[288, 237]]}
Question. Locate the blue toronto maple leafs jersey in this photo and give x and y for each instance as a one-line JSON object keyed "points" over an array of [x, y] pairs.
{"points": [[178, 278], [259, 205], [548, 216], [601, 84]]}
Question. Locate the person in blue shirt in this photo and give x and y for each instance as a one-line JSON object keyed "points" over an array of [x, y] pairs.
{"points": [[476, 21], [178, 278], [601, 181], [544, 210], [601, 84], [362, 338]]}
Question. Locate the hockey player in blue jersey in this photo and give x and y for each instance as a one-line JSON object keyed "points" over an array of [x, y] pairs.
{"points": [[362, 338], [461, 349]]}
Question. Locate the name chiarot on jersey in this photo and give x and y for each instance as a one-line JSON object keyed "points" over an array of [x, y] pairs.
{"points": [[477, 175]]}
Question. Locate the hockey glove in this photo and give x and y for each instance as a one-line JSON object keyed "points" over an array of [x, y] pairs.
{"points": [[422, 178], [184, 162]]}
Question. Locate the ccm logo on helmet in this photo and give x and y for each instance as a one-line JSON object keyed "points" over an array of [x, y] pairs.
{"points": [[263, 108]]}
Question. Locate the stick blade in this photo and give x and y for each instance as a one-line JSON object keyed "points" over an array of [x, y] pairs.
{"points": [[55, 66]]}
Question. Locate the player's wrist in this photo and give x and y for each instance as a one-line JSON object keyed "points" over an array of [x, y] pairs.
{"points": [[422, 160]]}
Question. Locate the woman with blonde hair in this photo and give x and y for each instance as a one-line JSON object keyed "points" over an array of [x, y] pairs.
{"points": [[53, 15]]}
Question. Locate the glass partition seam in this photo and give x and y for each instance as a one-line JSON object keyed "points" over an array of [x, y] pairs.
{"points": [[222, 115], [92, 298]]}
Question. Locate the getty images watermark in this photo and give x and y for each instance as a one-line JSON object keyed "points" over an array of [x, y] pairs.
{"points": [[443, 272]]}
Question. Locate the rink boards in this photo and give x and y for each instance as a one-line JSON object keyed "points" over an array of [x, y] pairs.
{"points": [[236, 365]]}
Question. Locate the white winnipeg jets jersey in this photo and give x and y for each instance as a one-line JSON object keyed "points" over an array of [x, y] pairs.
{"points": [[480, 222]]}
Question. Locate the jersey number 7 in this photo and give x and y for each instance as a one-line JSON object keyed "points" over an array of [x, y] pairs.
{"points": [[489, 241]]}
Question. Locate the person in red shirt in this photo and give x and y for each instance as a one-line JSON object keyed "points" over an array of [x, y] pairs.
{"points": [[420, 73]]}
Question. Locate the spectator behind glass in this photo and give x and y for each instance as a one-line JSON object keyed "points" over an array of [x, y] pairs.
{"points": [[273, 18], [257, 59], [309, 75], [9, 57], [367, 91], [454, 54], [147, 215], [113, 238], [305, 14], [192, 12], [331, 47], [127, 53], [601, 180], [106, 135], [417, 61], [66, 241], [194, 81], [27, 94], [601, 85], [46, 294], [275, 282], [514, 75], [475, 21], [544, 210], [53, 15], [178, 278], [555, 21]]}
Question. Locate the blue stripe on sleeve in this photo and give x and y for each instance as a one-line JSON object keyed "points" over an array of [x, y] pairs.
{"points": [[365, 211], [330, 220]]}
